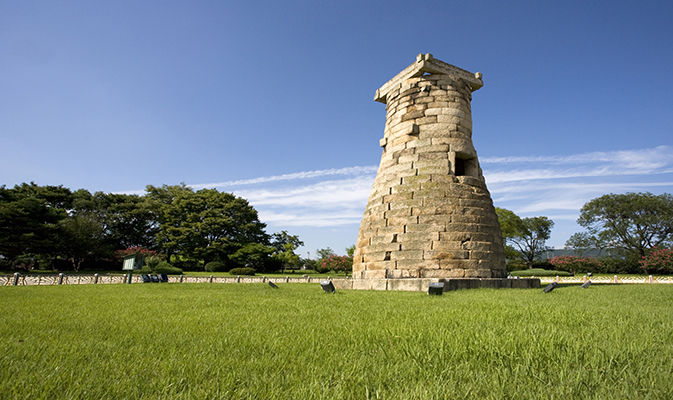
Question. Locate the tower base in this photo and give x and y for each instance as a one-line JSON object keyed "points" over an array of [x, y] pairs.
{"points": [[421, 284]]}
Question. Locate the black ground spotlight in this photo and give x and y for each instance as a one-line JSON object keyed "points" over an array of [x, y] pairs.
{"points": [[328, 286], [585, 284], [273, 285], [436, 288], [549, 287]]}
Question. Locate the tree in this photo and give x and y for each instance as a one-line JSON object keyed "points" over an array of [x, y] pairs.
{"points": [[254, 255], [634, 222], [527, 235], [30, 217], [582, 242], [205, 225], [127, 220], [159, 200], [324, 253], [285, 245], [82, 237]]}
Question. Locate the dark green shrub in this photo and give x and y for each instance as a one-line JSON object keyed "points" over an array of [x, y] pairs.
{"points": [[188, 265], [516, 265], [146, 269], [165, 268], [542, 264], [617, 265], [152, 261], [216, 266], [242, 271]]}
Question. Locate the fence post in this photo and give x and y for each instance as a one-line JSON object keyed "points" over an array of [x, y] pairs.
{"points": [[130, 277], [16, 278], [95, 279], [615, 278], [263, 279], [309, 279], [287, 279], [238, 279], [651, 279], [181, 276], [60, 278], [211, 279]]}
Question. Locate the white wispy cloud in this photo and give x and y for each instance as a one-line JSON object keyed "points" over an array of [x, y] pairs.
{"points": [[311, 219], [324, 195], [289, 177], [528, 185], [555, 186], [658, 155], [654, 161]]}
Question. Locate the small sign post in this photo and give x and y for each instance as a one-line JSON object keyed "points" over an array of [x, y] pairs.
{"points": [[133, 262]]}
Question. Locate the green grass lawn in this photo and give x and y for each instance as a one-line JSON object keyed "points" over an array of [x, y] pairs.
{"points": [[249, 341]]}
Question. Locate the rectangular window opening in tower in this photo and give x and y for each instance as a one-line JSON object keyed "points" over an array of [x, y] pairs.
{"points": [[466, 166], [460, 167]]}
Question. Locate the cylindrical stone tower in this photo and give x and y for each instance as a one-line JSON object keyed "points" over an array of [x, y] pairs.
{"points": [[429, 213]]}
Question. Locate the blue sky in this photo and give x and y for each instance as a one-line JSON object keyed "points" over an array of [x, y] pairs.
{"points": [[274, 100]]}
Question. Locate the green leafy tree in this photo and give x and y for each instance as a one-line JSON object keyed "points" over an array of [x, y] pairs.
{"points": [[634, 222], [30, 217], [285, 245], [582, 242], [159, 201], [254, 255], [128, 220], [82, 237], [324, 253], [205, 225], [524, 237]]}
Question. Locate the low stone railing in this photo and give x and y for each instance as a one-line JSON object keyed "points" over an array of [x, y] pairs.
{"points": [[606, 279], [81, 279]]}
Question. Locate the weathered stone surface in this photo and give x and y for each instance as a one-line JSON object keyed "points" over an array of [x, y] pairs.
{"points": [[429, 214]]}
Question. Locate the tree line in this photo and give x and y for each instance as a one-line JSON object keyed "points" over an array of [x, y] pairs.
{"points": [[633, 230], [54, 227]]}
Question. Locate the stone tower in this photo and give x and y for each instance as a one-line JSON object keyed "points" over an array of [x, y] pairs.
{"points": [[429, 214]]}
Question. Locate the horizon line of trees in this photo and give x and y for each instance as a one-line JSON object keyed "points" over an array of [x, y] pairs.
{"points": [[636, 228], [54, 227]]}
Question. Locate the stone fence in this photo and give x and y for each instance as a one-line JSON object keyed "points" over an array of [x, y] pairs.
{"points": [[606, 279], [82, 279]]}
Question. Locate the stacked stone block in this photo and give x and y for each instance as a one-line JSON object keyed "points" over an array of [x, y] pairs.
{"points": [[429, 214]]}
